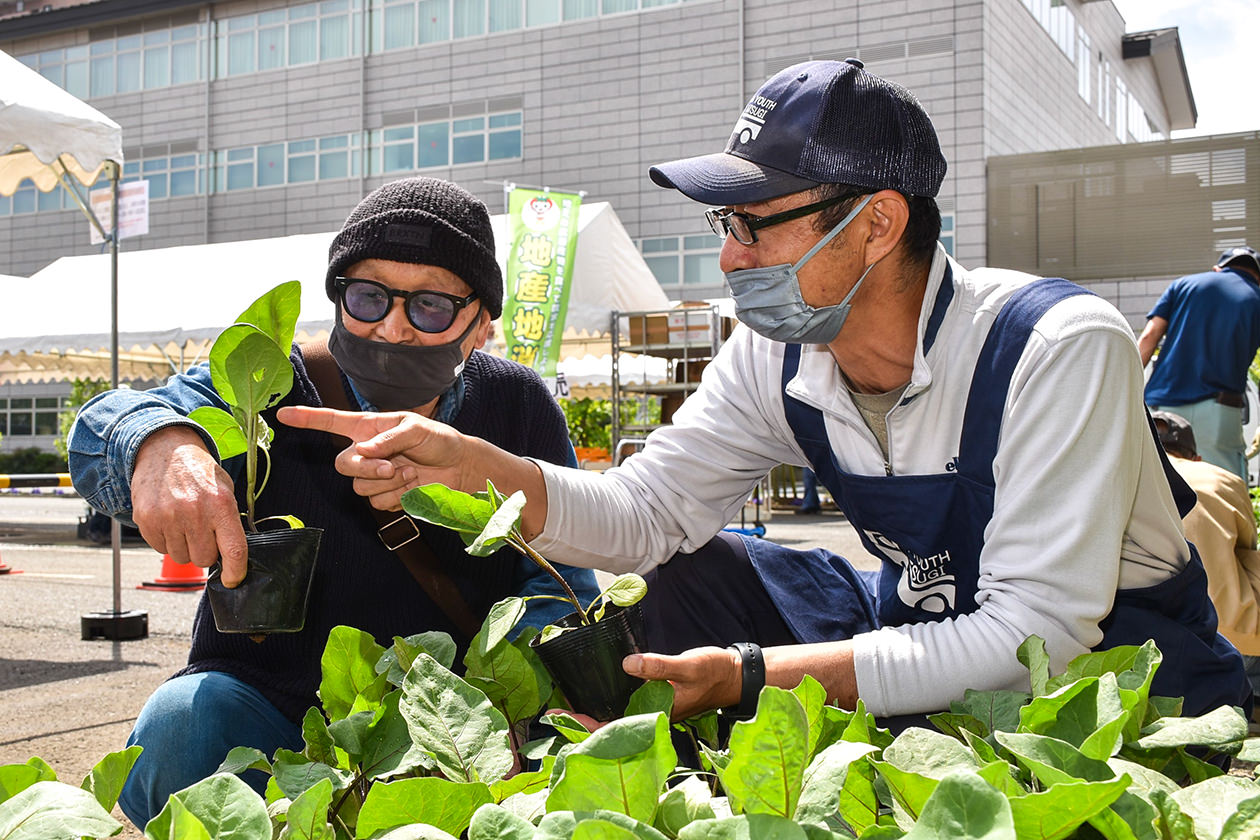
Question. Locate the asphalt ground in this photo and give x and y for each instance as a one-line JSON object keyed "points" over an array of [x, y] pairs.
{"points": [[71, 701]]}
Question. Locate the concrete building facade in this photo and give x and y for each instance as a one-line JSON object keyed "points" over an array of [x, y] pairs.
{"points": [[254, 118]]}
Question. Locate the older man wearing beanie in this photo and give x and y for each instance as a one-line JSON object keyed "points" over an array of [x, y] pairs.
{"points": [[983, 431], [415, 282], [1209, 324]]}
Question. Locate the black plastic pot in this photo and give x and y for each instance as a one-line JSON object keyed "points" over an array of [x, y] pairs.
{"points": [[272, 597], [585, 661]]}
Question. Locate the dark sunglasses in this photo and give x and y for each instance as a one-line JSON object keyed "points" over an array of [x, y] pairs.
{"points": [[428, 311], [744, 227]]}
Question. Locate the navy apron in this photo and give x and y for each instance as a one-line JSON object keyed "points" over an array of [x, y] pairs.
{"points": [[928, 530]]}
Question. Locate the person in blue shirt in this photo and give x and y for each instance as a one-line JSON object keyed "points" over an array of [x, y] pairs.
{"points": [[1210, 327], [414, 281]]}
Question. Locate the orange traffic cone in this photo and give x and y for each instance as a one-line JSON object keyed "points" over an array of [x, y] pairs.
{"points": [[176, 577], [4, 570]]}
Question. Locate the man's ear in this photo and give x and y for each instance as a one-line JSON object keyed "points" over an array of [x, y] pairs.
{"points": [[481, 335], [888, 214]]}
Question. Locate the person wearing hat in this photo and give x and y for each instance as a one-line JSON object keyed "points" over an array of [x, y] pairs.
{"points": [[1210, 327], [983, 431], [1222, 526], [415, 283]]}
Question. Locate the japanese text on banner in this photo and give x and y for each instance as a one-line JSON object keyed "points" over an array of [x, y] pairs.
{"points": [[542, 228]]}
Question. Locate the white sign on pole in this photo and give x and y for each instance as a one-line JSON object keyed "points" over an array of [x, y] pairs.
{"points": [[133, 210]]}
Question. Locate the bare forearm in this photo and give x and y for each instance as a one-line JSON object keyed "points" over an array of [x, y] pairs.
{"points": [[831, 663]]}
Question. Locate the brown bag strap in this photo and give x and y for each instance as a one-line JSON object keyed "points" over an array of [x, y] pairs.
{"points": [[397, 530]]}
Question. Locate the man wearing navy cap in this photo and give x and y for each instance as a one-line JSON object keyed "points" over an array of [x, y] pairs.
{"points": [[983, 431], [1210, 326]]}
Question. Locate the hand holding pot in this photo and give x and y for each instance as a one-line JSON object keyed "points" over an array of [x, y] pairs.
{"points": [[184, 503], [704, 678]]}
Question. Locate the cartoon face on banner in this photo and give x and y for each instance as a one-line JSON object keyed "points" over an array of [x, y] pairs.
{"points": [[540, 213]]}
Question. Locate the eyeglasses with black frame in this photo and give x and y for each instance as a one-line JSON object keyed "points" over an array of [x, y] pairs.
{"points": [[427, 310], [744, 227]]}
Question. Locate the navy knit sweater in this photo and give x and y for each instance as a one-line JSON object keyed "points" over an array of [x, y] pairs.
{"points": [[358, 582]]}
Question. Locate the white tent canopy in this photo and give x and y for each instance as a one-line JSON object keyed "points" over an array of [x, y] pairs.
{"points": [[43, 128], [174, 301]]}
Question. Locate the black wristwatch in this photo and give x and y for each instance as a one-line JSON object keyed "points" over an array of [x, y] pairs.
{"points": [[753, 678]]}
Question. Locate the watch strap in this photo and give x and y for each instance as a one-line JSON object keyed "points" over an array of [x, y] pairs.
{"points": [[752, 677]]}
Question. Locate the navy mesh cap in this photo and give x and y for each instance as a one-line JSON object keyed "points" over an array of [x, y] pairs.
{"points": [[818, 122], [1242, 257]]}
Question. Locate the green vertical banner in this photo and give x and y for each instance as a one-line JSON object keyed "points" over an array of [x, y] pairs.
{"points": [[542, 228]]}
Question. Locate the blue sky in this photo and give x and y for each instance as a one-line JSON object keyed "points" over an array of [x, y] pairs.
{"points": [[1219, 39]]}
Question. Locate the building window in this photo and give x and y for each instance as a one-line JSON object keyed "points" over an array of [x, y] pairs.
{"points": [[947, 233], [442, 143], [294, 162], [29, 416], [160, 56], [1084, 78], [298, 35], [686, 266], [168, 177]]}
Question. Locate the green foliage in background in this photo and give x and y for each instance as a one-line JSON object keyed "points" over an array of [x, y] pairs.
{"points": [[81, 391], [29, 460], [590, 420]]}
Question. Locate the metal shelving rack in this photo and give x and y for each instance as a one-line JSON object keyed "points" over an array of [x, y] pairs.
{"points": [[684, 336]]}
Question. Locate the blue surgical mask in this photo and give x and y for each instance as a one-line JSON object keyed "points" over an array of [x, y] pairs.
{"points": [[768, 299]]}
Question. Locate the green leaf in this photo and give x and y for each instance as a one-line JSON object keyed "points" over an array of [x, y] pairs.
{"points": [[222, 427], [15, 778], [1223, 729], [415, 832], [652, 696], [596, 829], [998, 710], [509, 681], [1087, 714], [527, 781], [275, 313], [295, 774], [813, 698], [307, 816], [859, 801], [240, 759], [622, 767], [492, 822], [573, 730], [438, 504], [501, 525], [106, 779], [183, 824], [824, 779], [348, 665], [1032, 655], [747, 827], [964, 807], [1174, 825], [1058, 811], [48, 810], [1244, 823], [561, 825], [1211, 803], [684, 803], [249, 370], [1053, 761], [385, 746], [224, 805], [318, 741], [455, 723], [768, 756], [396, 661], [625, 590], [438, 802], [1145, 780], [499, 622]]}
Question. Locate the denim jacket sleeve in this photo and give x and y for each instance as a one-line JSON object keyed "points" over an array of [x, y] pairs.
{"points": [[111, 427]]}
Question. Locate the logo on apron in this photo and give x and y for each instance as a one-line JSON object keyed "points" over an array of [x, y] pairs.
{"points": [[926, 583]]}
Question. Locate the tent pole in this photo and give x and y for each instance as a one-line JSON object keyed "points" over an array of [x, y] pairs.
{"points": [[115, 530], [115, 624]]}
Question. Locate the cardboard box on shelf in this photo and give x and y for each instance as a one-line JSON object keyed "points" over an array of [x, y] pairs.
{"points": [[689, 370], [648, 329], [690, 323]]}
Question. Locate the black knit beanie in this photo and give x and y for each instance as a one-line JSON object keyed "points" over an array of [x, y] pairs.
{"points": [[424, 221]]}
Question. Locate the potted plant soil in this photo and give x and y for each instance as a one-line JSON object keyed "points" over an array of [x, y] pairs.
{"points": [[250, 368], [583, 650]]}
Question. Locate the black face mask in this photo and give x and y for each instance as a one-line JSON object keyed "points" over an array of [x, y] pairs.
{"points": [[397, 377]]}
